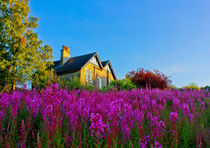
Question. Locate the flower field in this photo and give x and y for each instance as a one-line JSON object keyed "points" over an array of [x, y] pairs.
{"points": [[137, 118]]}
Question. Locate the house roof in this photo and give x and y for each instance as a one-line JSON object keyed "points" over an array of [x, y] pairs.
{"points": [[73, 64], [104, 62]]}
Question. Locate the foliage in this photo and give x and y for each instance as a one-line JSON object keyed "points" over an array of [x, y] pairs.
{"points": [[74, 84], [145, 78], [21, 52], [40, 79], [192, 86], [123, 84], [173, 87], [206, 88], [57, 117]]}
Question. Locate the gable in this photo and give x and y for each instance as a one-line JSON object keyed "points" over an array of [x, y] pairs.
{"points": [[94, 61], [107, 68]]}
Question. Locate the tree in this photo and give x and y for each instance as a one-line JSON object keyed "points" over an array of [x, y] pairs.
{"points": [[21, 52], [145, 78], [192, 86], [206, 88]]}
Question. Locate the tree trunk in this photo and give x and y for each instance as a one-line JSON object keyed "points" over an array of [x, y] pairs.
{"points": [[13, 85], [14, 82]]}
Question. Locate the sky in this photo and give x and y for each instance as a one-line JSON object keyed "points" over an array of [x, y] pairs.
{"points": [[170, 36]]}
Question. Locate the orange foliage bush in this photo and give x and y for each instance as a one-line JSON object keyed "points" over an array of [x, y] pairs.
{"points": [[145, 78]]}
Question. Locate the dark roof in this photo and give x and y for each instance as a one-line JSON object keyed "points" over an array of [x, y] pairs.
{"points": [[56, 63], [73, 64], [104, 62]]}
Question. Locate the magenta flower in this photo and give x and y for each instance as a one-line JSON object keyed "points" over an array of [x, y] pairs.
{"points": [[97, 125], [113, 116], [186, 109], [158, 127], [203, 105], [1, 114], [158, 145], [144, 142], [174, 117], [139, 116]]}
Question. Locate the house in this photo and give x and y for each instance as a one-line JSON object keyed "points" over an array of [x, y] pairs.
{"points": [[88, 68]]}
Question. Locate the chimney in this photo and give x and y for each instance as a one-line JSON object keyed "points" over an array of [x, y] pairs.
{"points": [[65, 55]]}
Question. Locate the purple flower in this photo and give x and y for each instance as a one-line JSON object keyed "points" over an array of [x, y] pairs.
{"points": [[139, 116], [1, 114], [174, 117], [97, 125], [144, 142], [158, 145], [158, 127], [203, 105], [109, 114], [186, 109]]}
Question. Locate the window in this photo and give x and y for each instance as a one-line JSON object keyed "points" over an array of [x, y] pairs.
{"points": [[87, 75], [104, 81], [90, 76], [100, 83]]}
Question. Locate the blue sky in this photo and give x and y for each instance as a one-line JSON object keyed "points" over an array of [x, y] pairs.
{"points": [[171, 36]]}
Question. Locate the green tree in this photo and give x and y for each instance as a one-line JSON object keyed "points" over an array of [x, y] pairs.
{"points": [[21, 52]]}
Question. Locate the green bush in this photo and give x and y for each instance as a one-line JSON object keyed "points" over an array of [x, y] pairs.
{"points": [[173, 87], [74, 84], [88, 87], [123, 84], [206, 88], [40, 79], [70, 84]]}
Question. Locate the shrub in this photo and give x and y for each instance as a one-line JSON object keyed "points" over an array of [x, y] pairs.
{"points": [[70, 84], [173, 87], [206, 88], [123, 84], [145, 78], [74, 84], [42, 78], [88, 87]]}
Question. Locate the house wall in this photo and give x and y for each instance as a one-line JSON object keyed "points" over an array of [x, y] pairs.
{"points": [[101, 73], [69, 76]]}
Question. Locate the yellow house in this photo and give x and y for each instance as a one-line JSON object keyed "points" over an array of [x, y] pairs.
{"points": [[88, 68]]}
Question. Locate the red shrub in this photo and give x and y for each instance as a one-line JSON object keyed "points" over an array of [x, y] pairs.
{"points": [[145, 78]]}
